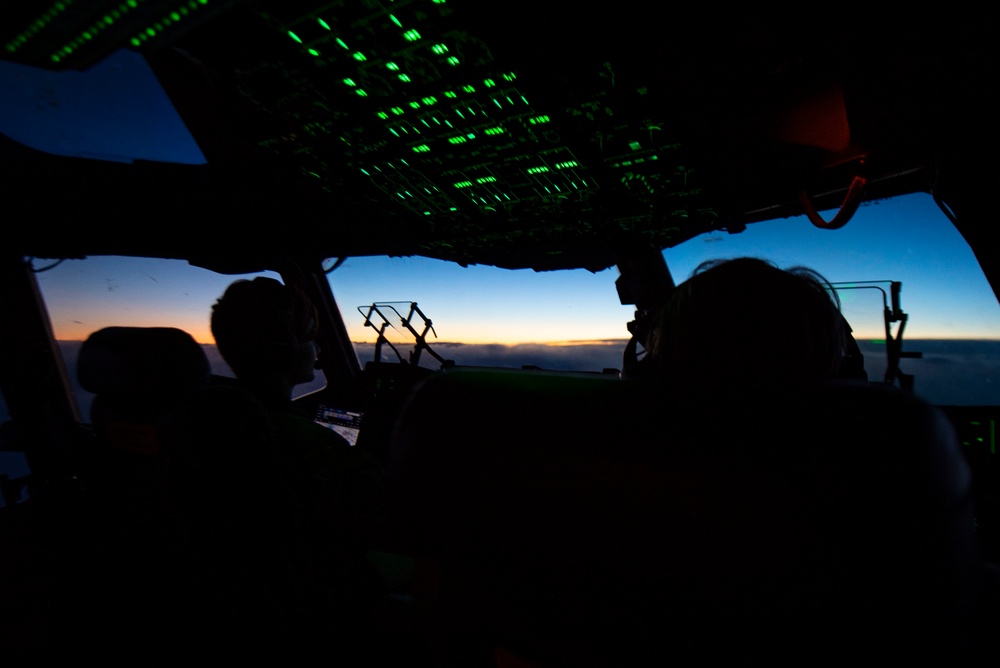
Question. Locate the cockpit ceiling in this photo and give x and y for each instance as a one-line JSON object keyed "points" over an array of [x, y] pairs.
{"points": [[509, 134]]}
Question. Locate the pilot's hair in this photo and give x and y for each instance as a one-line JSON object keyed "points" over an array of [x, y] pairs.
{"points": [[255, 323], [747, 321]]}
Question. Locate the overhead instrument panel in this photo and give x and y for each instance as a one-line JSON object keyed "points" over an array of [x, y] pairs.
{"points": [[446, 121], [440, 127]]}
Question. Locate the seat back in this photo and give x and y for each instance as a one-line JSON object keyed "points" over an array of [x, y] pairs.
{"points": [[594, 521], [195, 530]]}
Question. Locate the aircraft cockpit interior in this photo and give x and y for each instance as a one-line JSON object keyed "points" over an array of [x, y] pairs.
{"points": [[384, 328]]}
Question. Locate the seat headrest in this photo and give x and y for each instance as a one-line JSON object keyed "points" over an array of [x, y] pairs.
{"points": [[142, 360]]}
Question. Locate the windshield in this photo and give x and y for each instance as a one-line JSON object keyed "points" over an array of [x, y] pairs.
{"points": [[572, 320], [563, 320]]}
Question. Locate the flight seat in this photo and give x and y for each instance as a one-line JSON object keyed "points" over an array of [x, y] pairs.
{"points": [[565, 519], [195, 539]]}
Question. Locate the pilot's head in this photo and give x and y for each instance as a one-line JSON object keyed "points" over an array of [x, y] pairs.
{"points": [[746, 321], [266, 330]]}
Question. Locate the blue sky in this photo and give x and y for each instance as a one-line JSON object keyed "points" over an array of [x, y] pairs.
{"points": [[907, 240]]}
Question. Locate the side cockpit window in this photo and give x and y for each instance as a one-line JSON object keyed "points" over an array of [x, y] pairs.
{"points": [[947, 312], [84, 296]]}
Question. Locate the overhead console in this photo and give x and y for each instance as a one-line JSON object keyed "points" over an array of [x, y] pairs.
{"points": [[512, 134]]}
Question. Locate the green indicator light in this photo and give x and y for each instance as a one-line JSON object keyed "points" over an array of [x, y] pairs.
{"points": [[537, 170], [55, 58], [395, 20], [639, 161], [135, 41], [434, 118], [489, 82], [175, 16], [471, 110], [427, 213], [457, 111], [653, 157], [497, 103], [393, 132], [86, 35], [626, 163], [471, 135], [404, 78], [468, 89], [539, 119], [424, 121], [634, 145], [566, 165], [429, 100], [493, 131], [547, 189], [361, 93], [452, 60], [979, 439], [453, 208], [392, 66], [400, 195], [350, 82], [510, 76], [202, 2], [313, 52], [323, 24], [382, 115], [313, 174], [524, 99], [415, 104], [487, 179], [341, 43], [463, 184], [150, 32], [457, 140], [397, 110], [404, 162], [439, 49], [448, 123], [357, 55], [483, 200], [450, 93], [411, 35], [295, 37]]}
